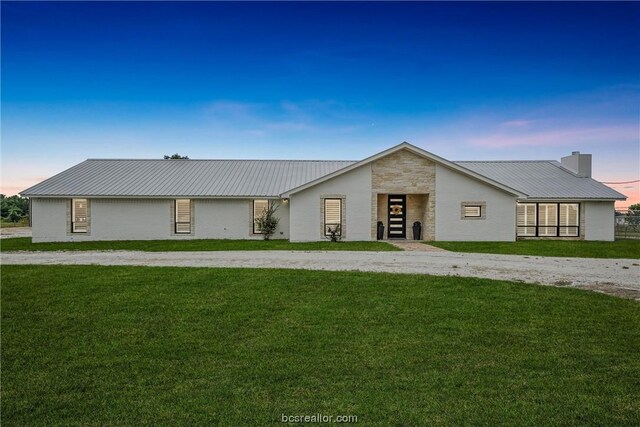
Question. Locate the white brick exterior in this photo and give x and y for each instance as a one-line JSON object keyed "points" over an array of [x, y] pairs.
{"points": [[452, 189], [599, 221], [150, 219], [354, 186]]}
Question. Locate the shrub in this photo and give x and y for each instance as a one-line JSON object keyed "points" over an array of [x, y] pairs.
{"points": [[268, 222], [334, 233]]}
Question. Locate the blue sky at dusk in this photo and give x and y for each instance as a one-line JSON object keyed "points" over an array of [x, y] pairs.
{"points": [[318, 80]]}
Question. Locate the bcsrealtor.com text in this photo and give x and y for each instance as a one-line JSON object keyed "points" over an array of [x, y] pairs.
{"points": [[318, 418]]}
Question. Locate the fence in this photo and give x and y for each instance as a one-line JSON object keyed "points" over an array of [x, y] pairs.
{"points": [[627, 225]]}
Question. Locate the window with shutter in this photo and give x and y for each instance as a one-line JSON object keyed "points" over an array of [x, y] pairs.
{"points": [[547, 219], [526, 219], [79, 213], [183, 216], [259, 207], [332, 216], [553, 219], [471, 211], [569, 219]]}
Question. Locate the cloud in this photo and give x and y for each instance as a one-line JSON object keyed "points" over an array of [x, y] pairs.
{"points": [[516, 123], [570, 136]]}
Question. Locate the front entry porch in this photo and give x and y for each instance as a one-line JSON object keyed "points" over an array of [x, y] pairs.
{"points": [[398, 213]]}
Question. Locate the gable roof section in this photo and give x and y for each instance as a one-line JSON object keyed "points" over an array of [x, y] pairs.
{"points": [[543, 179], [182, 178], [419, 152]]}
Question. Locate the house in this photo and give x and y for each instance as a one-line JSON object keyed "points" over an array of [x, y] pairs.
{"points": [[114, 199]]}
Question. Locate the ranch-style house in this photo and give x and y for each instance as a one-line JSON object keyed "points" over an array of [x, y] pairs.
{"points": [[383, 196]]}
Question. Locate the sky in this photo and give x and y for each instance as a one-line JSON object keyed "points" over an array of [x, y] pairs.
{"points": [[465, 81]]}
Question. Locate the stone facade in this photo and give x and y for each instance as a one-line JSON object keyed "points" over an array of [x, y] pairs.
{"points": [[404, 172]]}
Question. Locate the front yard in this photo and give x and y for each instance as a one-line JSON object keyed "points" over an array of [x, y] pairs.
{"points": [[24, 244], [138, 345], [558, 248]]}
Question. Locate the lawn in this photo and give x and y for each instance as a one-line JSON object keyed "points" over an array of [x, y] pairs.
{"points": [[582, 249], [87, 345], [24, 244], [11, 224]]}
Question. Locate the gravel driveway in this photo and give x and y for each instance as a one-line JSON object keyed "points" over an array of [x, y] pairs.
{"points": [[7, 233], [620, 277]]}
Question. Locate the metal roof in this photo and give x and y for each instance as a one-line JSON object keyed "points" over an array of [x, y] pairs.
{"points": [[542, 179], [183, 178]]}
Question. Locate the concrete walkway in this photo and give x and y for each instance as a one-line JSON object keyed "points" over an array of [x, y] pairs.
{"points": [[414, 246], [619, 277]]}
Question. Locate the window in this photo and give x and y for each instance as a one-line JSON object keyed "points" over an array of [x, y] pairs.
{"points": [[79, 215], [472, 211], [259, 207], [183, 216], [526, 219], [548, 219], [569, 219], [332, 216]]}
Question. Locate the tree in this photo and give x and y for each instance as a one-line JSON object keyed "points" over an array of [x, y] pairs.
{"points": [[14, 214], [175, 157], [633, 215], [268, 222], [6, 203]]}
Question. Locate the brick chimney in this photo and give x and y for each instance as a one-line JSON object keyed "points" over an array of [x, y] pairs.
{"points": [[580, 164]]}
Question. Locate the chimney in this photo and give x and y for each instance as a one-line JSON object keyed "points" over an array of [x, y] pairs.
{"points": [[580, 164]]}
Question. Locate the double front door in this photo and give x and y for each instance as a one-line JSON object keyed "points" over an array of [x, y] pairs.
{"points": [[397, 216]]}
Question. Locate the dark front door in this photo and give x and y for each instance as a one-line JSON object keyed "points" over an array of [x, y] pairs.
{"points": [[397, 216]]}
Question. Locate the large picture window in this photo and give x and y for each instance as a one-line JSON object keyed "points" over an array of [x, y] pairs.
{"points": [[79, 215], [259, 208], [332, 216], [548, 219], [183, 216]]}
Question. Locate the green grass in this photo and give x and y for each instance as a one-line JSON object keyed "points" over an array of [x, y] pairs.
{"points": [[24, 244], [87, 345], [10, 224], [558, 248]]}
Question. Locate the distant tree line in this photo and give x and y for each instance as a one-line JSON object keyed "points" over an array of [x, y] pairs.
{"points": [[14, 208]]}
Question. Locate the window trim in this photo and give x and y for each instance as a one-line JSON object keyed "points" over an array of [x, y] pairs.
{"points": [[253, 213], [482, 210], [324, 219], [175, 217], [557, 227], [73, 217]]}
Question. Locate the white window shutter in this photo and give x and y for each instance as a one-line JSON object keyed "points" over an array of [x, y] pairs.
{"points": [[569, 221], [183, 216], [526, 219], [259, 208], [332, 214], [472, 211], [79, 212]]}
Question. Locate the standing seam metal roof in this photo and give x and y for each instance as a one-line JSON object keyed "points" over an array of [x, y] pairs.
{"points": [[538, 179], [183, 178], [542, 179]]}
